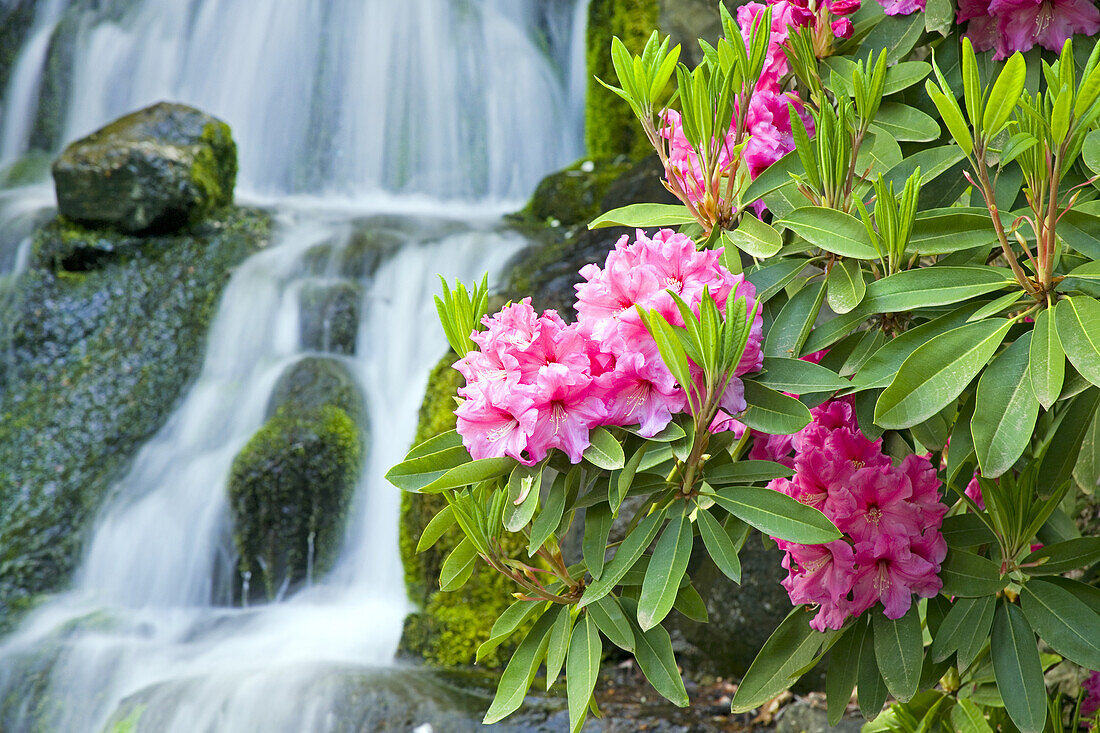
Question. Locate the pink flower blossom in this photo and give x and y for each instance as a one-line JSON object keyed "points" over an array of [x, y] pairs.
{"points": [[842, 28], [902, 7], [1091, 704], [1018, 25]]}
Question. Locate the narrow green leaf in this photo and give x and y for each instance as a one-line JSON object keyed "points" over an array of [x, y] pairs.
{"points": [[582, 667], [1006, 409], [550, 517], [831, 230], [966, 717], [799, 376], [604, 451], [951, 115], [436, 528], [773, 277], [871, 687], [653, 650], [628, 553], [691, 604], [1017, 669], [964, 629], [936, 372], [840, 680], [644, 216], [470, 473], [524, 485], [942, 231], [967, 575], [925, 287], [458, 566], [520, 672], [906, 123], [899, 649], [746, 472], [666, 568], [1004, 96], [597, 527], [413, 474], [846, 286], [1063, 557], [790, 648], [513, 617], [612, 622], [1076, 320], [1047, 369], [773, 412], [558, 645], [777, 514], [1069, 626], [1065, 447], [719, 546]]}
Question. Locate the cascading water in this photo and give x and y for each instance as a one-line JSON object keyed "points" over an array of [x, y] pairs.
{"points": [[365, 107]]}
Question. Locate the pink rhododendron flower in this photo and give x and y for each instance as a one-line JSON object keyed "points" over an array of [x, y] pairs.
{"points": [[890, 517], [1091, 704], [1018, 25], [901, 7], [842, 28], [974, 491]]}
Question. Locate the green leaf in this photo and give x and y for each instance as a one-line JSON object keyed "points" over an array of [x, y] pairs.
{"points": [[931, 286], [936, 372], [1090, 151], [1004, 96], [1069, 626], [899, 649], [653, 650], [597, 527], [791, 647], [582, 668], [773, 412], [897, 35], [840, 679], [458, 566], [558, 646], [942, 231], [550, 517], [719, 546], [1006, 410], [846, 286], [967, 575], [416, 472], [513, 617], [777, 514], [473, 472], [966, 717], [871, 687], [799, 376], [604, 451], [746, 472], [1081, 230], [831, 230], [644, 216], [524, 485], [628, 553], [964, 629], [933, 162], [904, 75], [612, 622], [1017, 669], [769, 279], [520, 672], [966, 530], [1063, 557], [691, 604], [436, 528], [795, 321], [666, 568], [1047, 369], [1064, 448], [753, 237], [906, 123], [1076, 320], [774, 177]]}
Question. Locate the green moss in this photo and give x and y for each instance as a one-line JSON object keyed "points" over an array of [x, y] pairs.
{"points": [[130, 722], [610, 127], [451, 625], [289, 489], [215, 168], [574, 195], [96, 360]]}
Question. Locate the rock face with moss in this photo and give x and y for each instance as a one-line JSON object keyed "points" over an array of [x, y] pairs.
{"points": [[610, 127], [157, 169]]}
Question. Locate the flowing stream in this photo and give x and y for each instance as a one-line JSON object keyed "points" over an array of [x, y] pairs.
{"points": [[427, 118]]}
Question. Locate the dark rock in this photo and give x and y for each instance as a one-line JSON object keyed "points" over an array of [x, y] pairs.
{"points": [[96, 362], [154, 170], [801, 717], [16, 19], [329, 316], [313, 382], [289, 490], [365, 250]]}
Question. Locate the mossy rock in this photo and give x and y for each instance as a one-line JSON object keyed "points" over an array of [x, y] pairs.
{"points": [[365, 250], [96, 361], [154, 170], [574, 195], [450, 626], [289, 491], [329, 316], [313, 382], [610, 127]]}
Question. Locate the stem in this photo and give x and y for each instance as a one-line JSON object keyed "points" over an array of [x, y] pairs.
{"points": [[991, 204]]}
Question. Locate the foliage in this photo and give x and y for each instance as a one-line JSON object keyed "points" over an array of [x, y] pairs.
{"points": [[945, 277]]}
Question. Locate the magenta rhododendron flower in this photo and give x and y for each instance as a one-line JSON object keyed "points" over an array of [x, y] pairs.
{"points": [[1018, 25], [902, 7], [890, 517], [1091, 704], [536, 383]]}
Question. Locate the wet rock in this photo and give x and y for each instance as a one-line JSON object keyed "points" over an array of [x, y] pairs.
{"points": [[289, 490], [365, 250], [313, 382], [801, 717], [155, 170], [329, 317]]}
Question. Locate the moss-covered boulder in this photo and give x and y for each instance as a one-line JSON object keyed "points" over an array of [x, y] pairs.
{"points": [[575, 194], [610, 127], [156, 169], [95, 362], [313, 382], [329, 316], [289, 490]]}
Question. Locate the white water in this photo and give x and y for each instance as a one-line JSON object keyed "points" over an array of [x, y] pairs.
{"points": [[401, 108]]}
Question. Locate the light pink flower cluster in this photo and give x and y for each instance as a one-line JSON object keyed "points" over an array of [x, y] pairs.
{"points": [[1017, 25], [902, 7], [536, 383], [890, 517]]}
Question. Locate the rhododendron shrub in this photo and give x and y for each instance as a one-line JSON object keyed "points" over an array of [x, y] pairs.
{"points": [[886, 244]]}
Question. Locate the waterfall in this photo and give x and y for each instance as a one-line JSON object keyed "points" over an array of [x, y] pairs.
{"points": [[435, 115]]}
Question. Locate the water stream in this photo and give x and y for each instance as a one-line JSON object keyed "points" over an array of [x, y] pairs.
{"points": [[432, 115]]}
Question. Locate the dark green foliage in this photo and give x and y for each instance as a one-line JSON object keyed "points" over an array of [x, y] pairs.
{"points": [[289, 490], [95, 361], [609, 126]]}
